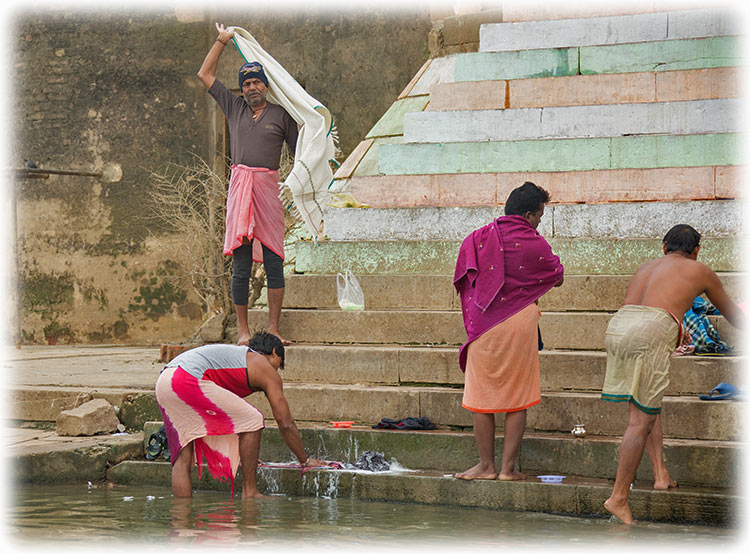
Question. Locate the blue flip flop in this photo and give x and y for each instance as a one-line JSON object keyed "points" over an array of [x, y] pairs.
{"points": [[722, 391]]}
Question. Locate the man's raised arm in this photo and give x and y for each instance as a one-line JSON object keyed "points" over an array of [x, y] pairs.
{"points": [[720, 299], [207, 72]]}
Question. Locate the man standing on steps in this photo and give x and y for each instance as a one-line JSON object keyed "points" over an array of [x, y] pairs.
{"points": [[255, 215], [501, 272], [640, 339]]}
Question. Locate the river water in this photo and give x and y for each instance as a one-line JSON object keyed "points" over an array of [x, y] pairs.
{"points": [[133, 517]]}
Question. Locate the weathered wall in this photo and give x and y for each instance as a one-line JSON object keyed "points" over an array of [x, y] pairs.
{"points": [[101, 91]]}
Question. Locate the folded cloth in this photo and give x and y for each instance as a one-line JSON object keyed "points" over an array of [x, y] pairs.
{"points": [[409, 424], [705, 337], [306, 189]]}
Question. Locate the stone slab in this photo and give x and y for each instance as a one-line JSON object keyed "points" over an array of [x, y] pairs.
{"points": [[720, 218], [94, 417], [491, 189], [440, 70], [611, 120], [576, 154], [579, 256], [368, 164], [352, 161], [667, 55]]}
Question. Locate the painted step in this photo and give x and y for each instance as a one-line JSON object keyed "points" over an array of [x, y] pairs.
{"points": [[580, 256], [668, 55], [648, 27], [587, 90], [712, 218], [579, 154], [580, 497], [674, 184], [614, 120], [435, 292]]}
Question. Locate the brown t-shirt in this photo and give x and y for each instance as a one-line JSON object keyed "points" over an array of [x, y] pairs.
{"points": [[255, 143]]}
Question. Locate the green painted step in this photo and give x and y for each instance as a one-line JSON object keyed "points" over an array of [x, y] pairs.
{"points": [[581, 154], [579, 256], [576, 496], [668, 55]]}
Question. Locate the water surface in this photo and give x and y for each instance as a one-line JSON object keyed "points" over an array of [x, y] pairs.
{"points": [[143, 516]]}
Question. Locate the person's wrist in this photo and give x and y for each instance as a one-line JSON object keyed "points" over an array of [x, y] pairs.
{"points": [[221, 40]]}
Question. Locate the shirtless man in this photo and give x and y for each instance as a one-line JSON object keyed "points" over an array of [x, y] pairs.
{"points": [[640, 339]]}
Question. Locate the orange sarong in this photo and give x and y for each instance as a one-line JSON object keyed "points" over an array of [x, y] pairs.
{"points": [[502, 366]]}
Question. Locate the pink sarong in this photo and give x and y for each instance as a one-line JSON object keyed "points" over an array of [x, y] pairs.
{"points": [[254, 210], [201, 412]]}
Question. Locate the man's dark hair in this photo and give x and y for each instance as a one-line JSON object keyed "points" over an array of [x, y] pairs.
{"points": [[682, 238], [265, 343], [526, 198]]}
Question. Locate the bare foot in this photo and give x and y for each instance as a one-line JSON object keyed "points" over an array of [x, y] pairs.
{"points": [[512, 476], [665, 484], [478, 472], [252, 494], [282, 339], [620, 510], [243, 339]]}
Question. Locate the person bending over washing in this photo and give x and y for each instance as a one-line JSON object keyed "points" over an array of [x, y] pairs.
{"points": [[201, 396]]}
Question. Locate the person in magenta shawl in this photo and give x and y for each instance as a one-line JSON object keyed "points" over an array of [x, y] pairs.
{"points": [[502, 270]]}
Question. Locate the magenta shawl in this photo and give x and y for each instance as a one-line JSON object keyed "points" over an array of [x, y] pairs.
{"points": [[501, 268]]}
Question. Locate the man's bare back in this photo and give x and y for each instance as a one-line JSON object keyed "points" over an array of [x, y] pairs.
{"points": [[672, 283]]}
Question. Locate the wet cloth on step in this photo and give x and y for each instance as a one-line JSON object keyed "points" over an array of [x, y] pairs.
{"points": [[705, 338], [200, 411], [372, 461], [639, 341], [502, 366], [502, 268], [406, 424], [254, 210]]}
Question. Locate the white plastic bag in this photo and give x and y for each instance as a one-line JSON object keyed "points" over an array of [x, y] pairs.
{"points": [[350, 294]]}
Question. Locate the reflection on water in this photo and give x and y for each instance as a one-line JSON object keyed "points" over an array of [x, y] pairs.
{"points": [[64, 515]]}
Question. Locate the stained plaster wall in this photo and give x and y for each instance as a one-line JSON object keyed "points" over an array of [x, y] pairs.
{"points": [[95, 92]]}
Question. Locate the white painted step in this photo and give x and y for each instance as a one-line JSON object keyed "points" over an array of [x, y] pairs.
{"points": [[596, 31], [611, 120]]}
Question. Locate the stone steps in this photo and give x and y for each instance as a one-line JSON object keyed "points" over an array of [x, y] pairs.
{"points": [[588, 187], [567, 122], [714, 218], [590, 293], [568, 154], [585, 256], [595, 31], [584, 90]]}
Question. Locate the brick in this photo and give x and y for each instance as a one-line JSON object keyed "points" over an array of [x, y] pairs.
{"points": [[471, 95], [720, 82]]}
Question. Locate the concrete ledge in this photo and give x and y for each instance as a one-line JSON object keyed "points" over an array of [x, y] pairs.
{"points": [[576, 496], [580, 256]]}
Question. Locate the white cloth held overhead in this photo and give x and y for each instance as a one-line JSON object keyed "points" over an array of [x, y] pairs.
{"points": [[306, 189]]}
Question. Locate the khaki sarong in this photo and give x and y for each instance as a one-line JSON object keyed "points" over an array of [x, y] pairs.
{"points": [[502, 366], [640, 341]]}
